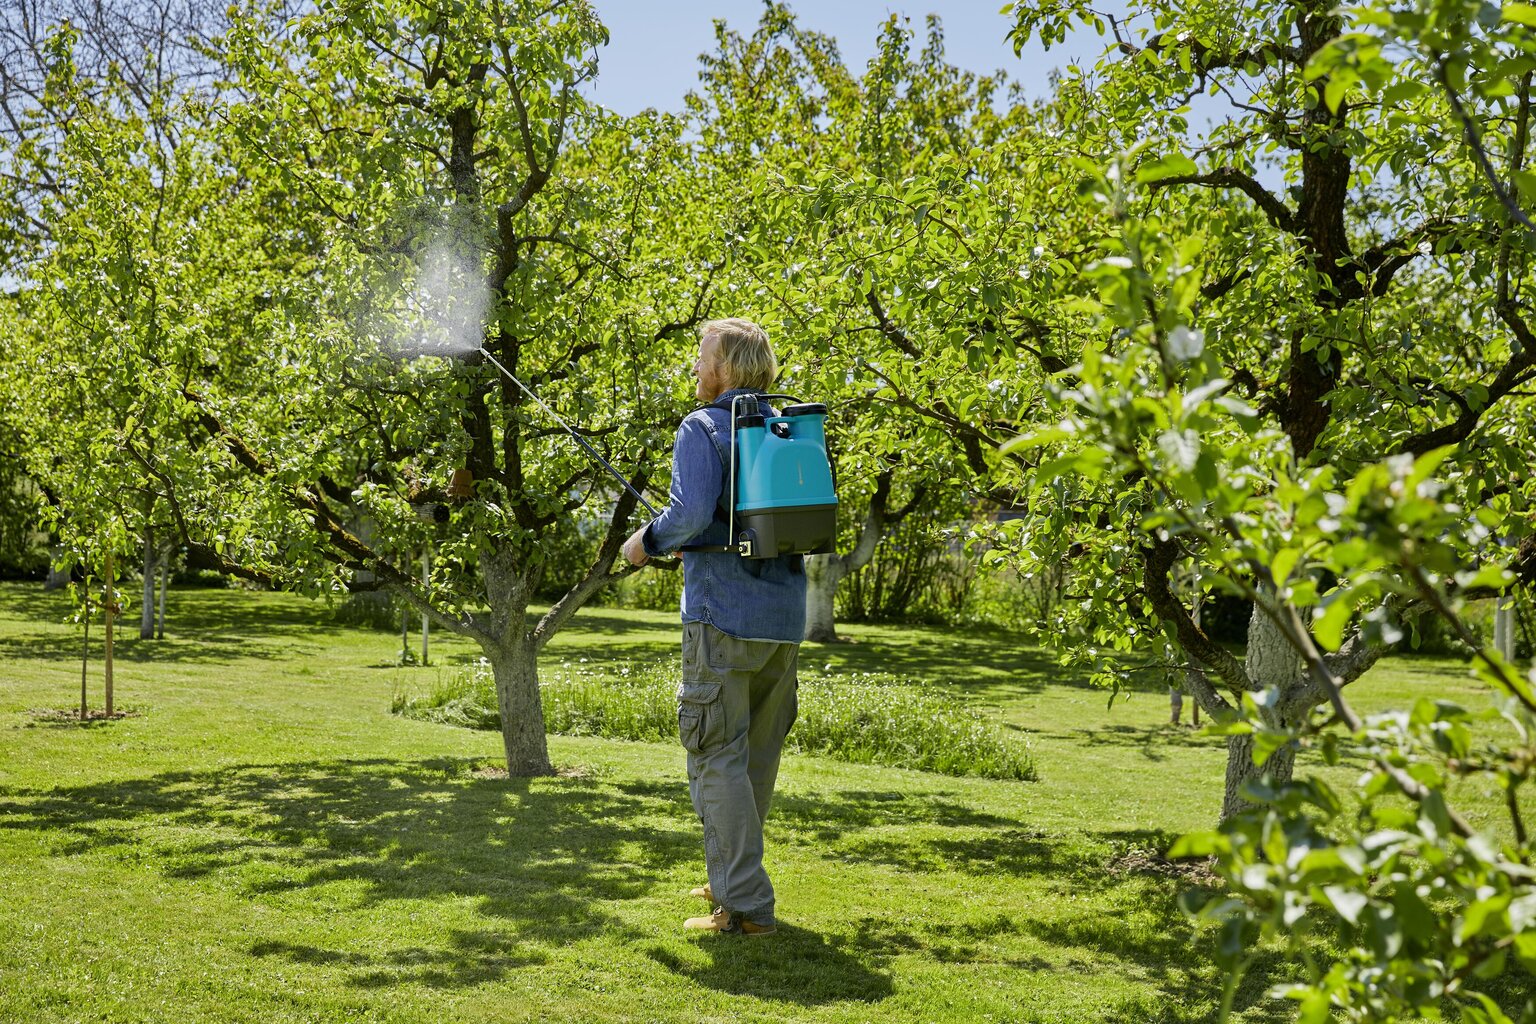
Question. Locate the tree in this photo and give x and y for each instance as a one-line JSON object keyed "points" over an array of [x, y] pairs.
{"points": [[1365, 874], [1259, 352], [440, 150], [245, 299], [838, 172], [105, 176]]}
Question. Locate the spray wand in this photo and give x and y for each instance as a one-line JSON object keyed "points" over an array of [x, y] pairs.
{"points": [[570, 430]]}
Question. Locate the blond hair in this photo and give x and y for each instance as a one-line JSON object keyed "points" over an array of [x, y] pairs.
{"points": [[746, 357]]}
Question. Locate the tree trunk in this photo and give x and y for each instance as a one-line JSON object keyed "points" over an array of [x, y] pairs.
{"points": [[1504, 627], [58, 578], [1241, 770], [1273, 664], [147, 612], [516, 671], [824, 572], [822, 575], [426, 586], [510, 648]]}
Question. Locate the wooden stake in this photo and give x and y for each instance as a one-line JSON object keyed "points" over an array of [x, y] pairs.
{"points": [[165, 582], [111, 605], [85, 653], [426, 585]]}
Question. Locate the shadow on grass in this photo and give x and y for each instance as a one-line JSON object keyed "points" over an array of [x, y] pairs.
{"points": [[543, 861], [981, 659], [1093, 916], [793, 965], [606, 623], [472, 958], [538, 858], [1152, 742]]}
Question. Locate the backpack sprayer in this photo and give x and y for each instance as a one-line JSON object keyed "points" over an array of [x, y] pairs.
{"points": [[779, 482]]}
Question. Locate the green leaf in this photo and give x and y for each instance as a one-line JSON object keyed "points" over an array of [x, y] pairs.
{"points": [[1346, 902], [1525, 950], [1175, 165], [1419, 921], [1333, 95], [1487, 1013], [1265, 744], [1525, 184], [1520, 14], [1492, 576], [1486, 917], [1232, 940], [1199, 844], [1328, 628], [1314, 1008], [1037, 439], [1281, 565]]}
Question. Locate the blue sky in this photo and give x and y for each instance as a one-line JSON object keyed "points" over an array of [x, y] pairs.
{"points": [[652, 59]]}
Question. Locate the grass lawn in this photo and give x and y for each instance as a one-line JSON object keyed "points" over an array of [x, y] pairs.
{"points": [[263, 841]]}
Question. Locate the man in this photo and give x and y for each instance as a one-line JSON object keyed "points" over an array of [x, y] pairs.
{"points": [[743, 620]]}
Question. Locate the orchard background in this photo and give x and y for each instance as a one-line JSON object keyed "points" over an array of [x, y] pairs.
{"points": [[1211, 368]]}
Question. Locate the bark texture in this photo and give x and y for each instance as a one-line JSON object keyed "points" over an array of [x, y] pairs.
{"points": [[822, 575], [515, 668], [147, 606], [1272, 665], [513, 653]]}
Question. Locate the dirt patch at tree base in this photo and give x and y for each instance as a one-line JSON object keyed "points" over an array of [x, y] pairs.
{"points": [[64, 716], [564, 771], [1147, 862]]}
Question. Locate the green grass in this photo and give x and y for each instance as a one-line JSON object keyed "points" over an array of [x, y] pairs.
{"points": [[265, 841], [865, 718]]}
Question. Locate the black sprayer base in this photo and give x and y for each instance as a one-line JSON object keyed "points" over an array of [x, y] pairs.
{"points": [[772, 532]]}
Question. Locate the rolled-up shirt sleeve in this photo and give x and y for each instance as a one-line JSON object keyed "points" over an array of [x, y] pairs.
{"points": [[697, 479]]}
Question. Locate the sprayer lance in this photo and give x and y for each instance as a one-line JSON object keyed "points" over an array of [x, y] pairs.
{"points": [[569, 430]]}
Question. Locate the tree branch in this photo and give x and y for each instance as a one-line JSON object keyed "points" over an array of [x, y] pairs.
{"points": [[1158, 558], [1204, 59], [342, 541], [895, 335], [1278, 213], [1513, 375], [1383, 261], [950, 420], [1469, 129], [597, 575]]}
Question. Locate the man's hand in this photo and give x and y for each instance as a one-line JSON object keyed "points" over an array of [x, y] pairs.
{"points": [[634, 548]]}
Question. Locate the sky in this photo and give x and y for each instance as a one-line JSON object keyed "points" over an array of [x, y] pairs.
{"points": [[652, 56]]}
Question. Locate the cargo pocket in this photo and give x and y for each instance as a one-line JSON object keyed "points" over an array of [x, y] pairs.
{"points": [[700, 718]]}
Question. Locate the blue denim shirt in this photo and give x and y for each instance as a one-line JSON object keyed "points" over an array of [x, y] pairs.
{"points": [[748, 598]]}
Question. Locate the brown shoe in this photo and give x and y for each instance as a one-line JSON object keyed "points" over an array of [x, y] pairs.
{"points": [[727, 923], [703, 892]]}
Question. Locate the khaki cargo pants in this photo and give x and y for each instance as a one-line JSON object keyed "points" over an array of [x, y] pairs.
{"points": [[736, 704]]}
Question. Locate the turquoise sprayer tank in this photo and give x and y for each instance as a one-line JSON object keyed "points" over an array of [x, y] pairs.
{"points": [[785, 502]]}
